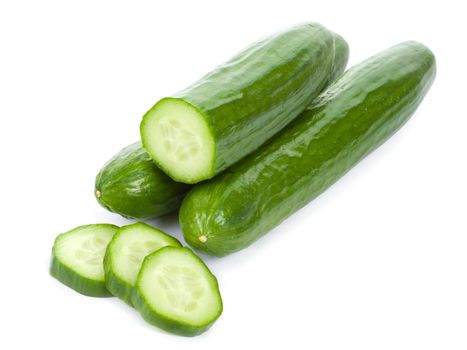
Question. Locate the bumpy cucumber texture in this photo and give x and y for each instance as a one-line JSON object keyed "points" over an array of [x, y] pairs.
{"points": [[125, 254], [130, 184], [230, 112], [351, 118], [77, 257], [175, 291]]}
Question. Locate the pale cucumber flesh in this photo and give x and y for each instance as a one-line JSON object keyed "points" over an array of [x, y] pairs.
{"points": [[126, 252], [178, 138], [177, 292], [77, 258]]}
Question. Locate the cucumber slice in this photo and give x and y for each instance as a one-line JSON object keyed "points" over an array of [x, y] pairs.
{"points": [[180, 137], [175, 291], [125, 254], [77, 257]]}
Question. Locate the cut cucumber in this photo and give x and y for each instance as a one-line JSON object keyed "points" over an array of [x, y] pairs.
{"points": [[182, 139], [175, 291], [77, 257], [200, 131], [125, 254]]}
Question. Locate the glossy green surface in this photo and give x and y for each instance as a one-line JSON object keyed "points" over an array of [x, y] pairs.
{"points": [[130, 184], [259, 91], [167, 322], [351, 118]]}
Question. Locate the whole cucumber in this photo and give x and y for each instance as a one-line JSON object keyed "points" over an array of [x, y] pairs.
{"points": [[233, 110], [130, 184], [351, 118]]}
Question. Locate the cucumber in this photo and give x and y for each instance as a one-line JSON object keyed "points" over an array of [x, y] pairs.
{"points": [[175, 291], [125, 254], [351, 118], [231, 111], [77, 257], [340, 59], [130, 184]]}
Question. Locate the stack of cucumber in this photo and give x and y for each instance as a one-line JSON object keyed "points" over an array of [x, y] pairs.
{"points": [[236, 153]]}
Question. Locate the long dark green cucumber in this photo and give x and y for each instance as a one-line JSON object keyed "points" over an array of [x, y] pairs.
{"points": [[351, 118], [230, 112], [130, 184]]}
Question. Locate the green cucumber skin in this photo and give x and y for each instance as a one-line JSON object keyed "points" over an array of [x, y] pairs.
{"points": [[130, 184], [263, 88], [340, 59], [116, 285], [79, 283], [351, 118], [162, 321]]}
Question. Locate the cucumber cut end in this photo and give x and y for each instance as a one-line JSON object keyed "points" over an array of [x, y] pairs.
{"points": [[177, 292], [177, 137]]}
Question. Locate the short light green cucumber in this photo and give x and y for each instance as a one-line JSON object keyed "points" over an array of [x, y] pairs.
{"points": [[200, 131], [77, 257], [175, 291], [125, 254], [349, 119], [130, 184]]}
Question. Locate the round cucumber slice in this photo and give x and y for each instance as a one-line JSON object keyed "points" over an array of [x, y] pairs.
{"points": [[125, 254], [177, 137], [175, 291], [77, 257]]}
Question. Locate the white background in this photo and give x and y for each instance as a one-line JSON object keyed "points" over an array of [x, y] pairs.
{"points": [[377, 262]]}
